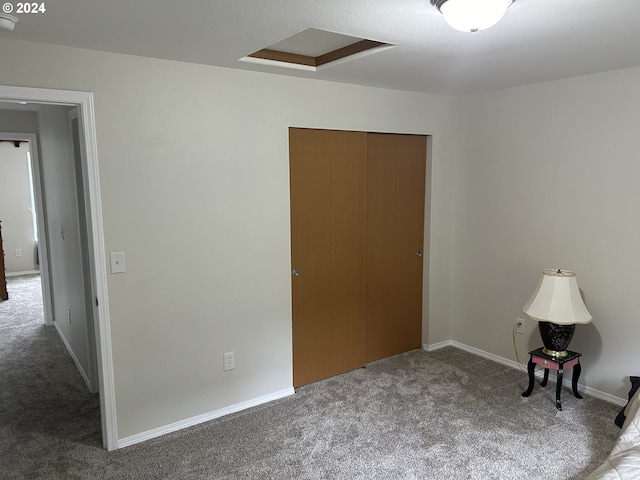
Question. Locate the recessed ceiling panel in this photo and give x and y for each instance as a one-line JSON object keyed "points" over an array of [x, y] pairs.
{"points": [[312, 48], [313, 42]]}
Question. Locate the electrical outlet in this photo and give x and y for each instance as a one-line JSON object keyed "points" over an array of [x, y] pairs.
{"points": [[69, 316], [18, 252], [521, 328], [229, 361]]}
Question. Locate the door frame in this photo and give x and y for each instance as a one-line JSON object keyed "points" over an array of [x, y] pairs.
{"points": [[78, 159], [95, 235]]}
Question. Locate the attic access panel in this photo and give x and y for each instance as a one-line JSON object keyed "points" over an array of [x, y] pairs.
{"points": [[313, 48]]}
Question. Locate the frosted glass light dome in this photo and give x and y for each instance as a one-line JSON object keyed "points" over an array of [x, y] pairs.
{"points": [[7, 21], [473, 15]]}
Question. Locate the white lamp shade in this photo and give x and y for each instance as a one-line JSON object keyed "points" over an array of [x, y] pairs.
{"points": [[473, 15], [557, 300]]}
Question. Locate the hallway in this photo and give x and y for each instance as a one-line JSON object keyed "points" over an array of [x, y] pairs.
{"points": [[45, 406]]}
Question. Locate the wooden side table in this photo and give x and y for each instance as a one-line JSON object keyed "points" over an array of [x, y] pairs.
{"points": [[572, 360]]}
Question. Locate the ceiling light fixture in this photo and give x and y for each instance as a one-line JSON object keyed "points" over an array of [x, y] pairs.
{"points": [[472, 15], [7, 21]]}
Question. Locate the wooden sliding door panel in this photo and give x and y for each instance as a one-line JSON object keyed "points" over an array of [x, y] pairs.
{"points": [[394, 243], [328, 177]]}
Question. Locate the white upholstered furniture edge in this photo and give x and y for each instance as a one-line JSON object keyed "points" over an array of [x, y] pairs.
{"points": [[623, 463]]}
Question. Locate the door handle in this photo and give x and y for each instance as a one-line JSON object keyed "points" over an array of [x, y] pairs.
{"points": [[295, 272], [418, 253]]}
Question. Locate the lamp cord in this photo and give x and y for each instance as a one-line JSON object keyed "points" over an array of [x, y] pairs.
{"points": [[515, 346], [515, 349]]}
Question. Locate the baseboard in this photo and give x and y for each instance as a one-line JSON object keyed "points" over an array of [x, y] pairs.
{"points": [[436, 346], [205, 417], [607, 397], [26, 272], [73, 355]]}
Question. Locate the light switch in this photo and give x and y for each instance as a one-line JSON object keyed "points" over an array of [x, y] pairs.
{"points": [[117, 262]]}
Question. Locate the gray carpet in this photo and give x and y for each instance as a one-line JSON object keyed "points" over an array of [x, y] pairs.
{"points": [[441, 415], [45, 407]]}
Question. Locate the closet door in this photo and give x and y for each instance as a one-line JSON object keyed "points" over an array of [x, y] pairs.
{"points": [[328, 177], [396, 166]]}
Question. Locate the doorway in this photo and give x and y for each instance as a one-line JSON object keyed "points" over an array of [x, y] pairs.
{"points": [[96, 295], [33, 259]]}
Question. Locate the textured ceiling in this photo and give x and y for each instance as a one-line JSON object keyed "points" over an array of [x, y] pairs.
{"points": [[537, 40]]}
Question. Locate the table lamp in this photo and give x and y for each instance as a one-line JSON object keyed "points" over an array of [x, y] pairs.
{"points": [[558, 307]]}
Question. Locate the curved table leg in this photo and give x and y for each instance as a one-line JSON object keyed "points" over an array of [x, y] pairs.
{"points": [[559, 389], [545, 379], [574, 381], [531, 368]]}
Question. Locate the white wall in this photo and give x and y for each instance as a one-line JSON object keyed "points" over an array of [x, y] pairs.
{"points": [[548, 176], [15, 208], [58, 178], [195, 190], [18, 121]]}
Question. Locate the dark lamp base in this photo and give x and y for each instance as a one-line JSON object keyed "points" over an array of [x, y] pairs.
{"points": [[556, 338]]}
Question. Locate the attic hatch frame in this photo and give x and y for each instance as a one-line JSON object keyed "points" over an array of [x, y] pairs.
{"points": [[307, 60], [97, 258]]}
